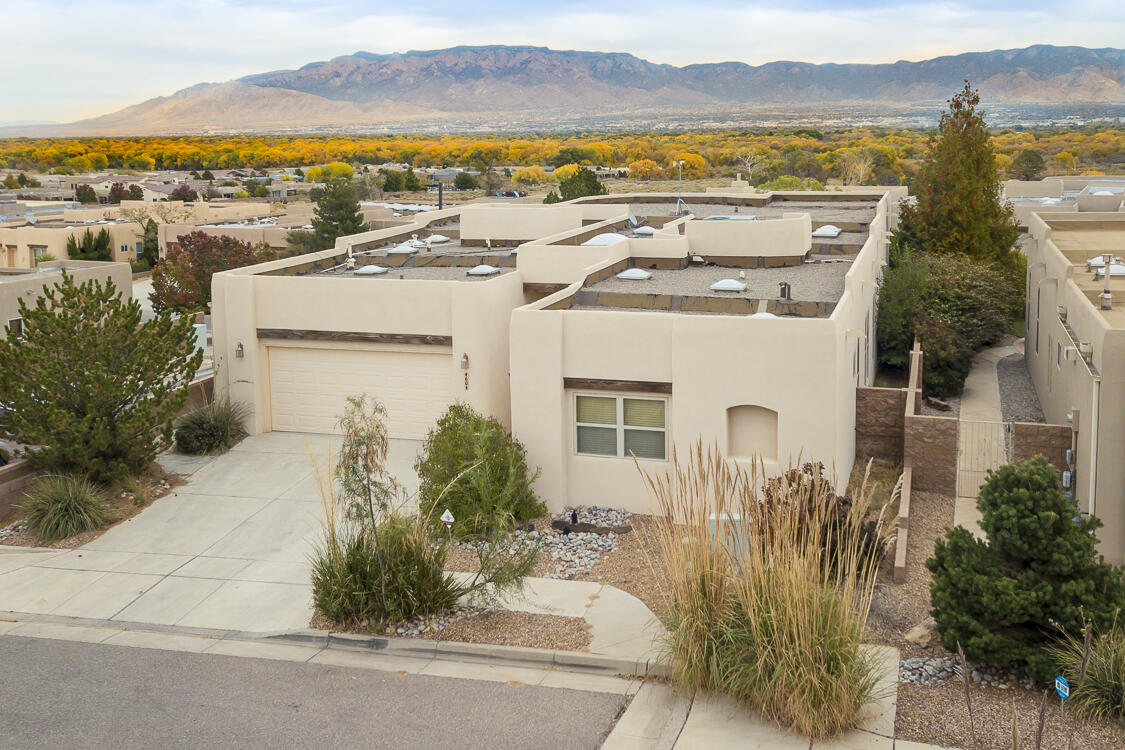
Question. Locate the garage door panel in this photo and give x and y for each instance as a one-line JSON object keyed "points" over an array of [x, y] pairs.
{"points": [[308, 387]]}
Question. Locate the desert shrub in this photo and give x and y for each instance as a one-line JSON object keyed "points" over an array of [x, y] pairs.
{"points": [[62, 505], [212, 427], [391, 575], [763, 608], [953, 304], [476, 468], [378, 565], [1098, 688], [1005, 599]]}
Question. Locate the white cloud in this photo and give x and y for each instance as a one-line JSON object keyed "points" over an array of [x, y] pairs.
{"points": [[76, 59]]}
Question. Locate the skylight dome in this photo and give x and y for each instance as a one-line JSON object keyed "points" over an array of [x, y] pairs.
{"points": [[763, 315], [645, 231], [1098, 261], [437, 238], [369, 270], [635, 274], [828, 230], [1116, 269], [728, 285], [483, 270], [603, 240], [403, 249]]}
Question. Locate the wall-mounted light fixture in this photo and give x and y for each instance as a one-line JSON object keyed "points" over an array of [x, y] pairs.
{"points": [[239, 351], [464, 361]]}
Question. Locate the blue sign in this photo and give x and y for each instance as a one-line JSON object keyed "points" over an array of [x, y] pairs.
{"points": [[1062, 687]]}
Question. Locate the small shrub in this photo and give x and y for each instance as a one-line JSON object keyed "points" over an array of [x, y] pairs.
{"points": [[1038, 573], [774, 614], [211, 427], [477, 469], [1100, 692], [398, 576], [946, 359], [62, 505]]}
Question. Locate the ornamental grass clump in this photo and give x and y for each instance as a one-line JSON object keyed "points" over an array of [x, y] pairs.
{"points": [[211, 428], [1096, 673], [63, 505], [768, 595]]}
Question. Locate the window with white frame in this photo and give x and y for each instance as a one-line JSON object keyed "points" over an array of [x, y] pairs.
{"points": [[16, 324], [620, 426]]}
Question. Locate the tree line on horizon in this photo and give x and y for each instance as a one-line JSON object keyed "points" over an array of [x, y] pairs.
{"points": [[860, 155]]}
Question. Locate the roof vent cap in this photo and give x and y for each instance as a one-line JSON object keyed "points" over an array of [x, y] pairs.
{"points": [[635, 274], [728, 285]]}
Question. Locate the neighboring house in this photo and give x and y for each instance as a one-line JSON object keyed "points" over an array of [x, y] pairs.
{"points": [[1090, 194], [27, 284], [521, 313], [22, 246], [1075, 350]]}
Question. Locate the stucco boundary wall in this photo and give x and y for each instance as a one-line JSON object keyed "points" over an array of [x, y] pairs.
{"points": [[13, 479]]}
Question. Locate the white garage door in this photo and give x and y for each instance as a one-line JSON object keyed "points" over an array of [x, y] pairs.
{"points": [[308, 387]]}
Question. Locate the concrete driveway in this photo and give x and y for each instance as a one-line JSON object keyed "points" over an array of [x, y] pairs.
{"points": [[229, 550]]}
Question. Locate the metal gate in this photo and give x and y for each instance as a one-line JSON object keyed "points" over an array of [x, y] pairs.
{"points": [[980, 446]]}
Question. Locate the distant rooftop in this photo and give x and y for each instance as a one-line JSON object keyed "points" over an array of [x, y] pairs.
{"points": [[1083, 241]]}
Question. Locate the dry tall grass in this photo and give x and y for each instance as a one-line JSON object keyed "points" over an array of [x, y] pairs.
{"points": [[772, 611]]}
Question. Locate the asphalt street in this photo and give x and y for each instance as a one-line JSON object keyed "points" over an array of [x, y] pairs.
{"points": [[56, 694]]}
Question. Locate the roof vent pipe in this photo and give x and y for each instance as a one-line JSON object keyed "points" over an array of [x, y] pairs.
{"points": [[786, 291], [1105, 297]]}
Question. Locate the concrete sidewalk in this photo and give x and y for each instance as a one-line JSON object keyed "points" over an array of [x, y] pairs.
{"points": [[230, 551], [982, 441]]}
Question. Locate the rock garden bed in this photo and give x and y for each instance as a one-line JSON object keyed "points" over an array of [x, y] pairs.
{"points": [[931, 699], [153, 484], [1019, 402]]}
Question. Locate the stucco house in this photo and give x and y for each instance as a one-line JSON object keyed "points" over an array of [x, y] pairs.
{"points": [[599, 329]]}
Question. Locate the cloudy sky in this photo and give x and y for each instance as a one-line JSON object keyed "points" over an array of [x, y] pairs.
{"points": [[68, 59]]}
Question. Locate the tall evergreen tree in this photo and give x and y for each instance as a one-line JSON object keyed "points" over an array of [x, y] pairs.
{"points": [[90, 246], [337, 213], [958, 206]]}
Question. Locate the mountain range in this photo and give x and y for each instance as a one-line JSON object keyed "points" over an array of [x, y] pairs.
{"points": [[510, 86]]}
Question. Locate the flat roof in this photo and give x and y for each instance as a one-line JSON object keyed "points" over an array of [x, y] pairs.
{"points": [[815, 287], [822, 212], [1080, 241]]}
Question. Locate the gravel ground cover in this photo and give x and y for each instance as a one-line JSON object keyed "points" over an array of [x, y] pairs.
{"points": [[931, 704], [1019, 401], [817, 282], [154, 484], [480, 625], [954, 411]]}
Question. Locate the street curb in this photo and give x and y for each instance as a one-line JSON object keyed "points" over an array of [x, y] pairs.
{"points": [[484, 652], [418, 648]]}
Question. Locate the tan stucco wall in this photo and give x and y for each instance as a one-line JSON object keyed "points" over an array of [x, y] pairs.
{"points": [[28, 286], [785, 237], [18, 244], [1067, 386]]}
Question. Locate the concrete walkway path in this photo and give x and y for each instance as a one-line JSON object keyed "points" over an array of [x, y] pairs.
{"points": [[230, 551], [981, 435]]}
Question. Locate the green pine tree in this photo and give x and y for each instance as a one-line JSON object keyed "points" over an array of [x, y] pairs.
{"points": [[958, 206], [580, 184], [337, 213], [1004, 600], [90, 246], [89, 384]]}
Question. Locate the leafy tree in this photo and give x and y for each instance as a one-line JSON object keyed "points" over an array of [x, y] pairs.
{"points": [[117, 193], [207, 175], [411, 182], [393, 180], [25, 181], [182, 281], [299, 172], [10, 182], [150, 244], [1028, 165], [85, 194], [582, 183], [574, 155], [1005, 600], [183, 193], [135, 193], [90, 246], [259, 190], [958, 209], [337, 213], [552, 197], [89, 384], [332, 171], [565, 171], [465, 181], [645, 169]]}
